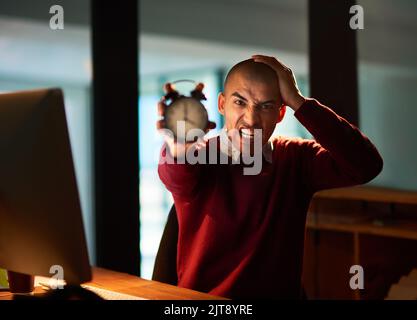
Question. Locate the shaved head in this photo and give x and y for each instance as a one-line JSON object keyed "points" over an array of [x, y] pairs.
{"points": [[252, 71]]}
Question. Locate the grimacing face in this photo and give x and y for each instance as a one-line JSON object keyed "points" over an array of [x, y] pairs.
{"points": [[249, 103]]}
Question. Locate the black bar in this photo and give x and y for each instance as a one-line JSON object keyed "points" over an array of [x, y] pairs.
{"points": [[333, 57], [116, 150]]}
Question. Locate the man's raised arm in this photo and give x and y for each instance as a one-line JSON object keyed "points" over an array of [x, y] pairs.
{"points": [[342, 155]]}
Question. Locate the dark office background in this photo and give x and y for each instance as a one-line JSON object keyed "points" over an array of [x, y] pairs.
{"points": [[368, 75]]}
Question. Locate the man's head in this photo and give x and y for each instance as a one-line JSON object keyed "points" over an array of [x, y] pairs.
{"points": [[251, 100]]}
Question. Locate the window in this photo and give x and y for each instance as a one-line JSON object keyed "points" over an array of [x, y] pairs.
{"points": [[155, 200], [33, 56]]}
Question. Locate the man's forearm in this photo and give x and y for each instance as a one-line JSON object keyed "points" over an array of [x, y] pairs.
{"points": [[179, 178], [346, 143], [297, 102]]}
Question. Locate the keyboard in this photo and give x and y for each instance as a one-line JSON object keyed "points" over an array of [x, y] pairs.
{"points": [[111, 295], [103, 293]]}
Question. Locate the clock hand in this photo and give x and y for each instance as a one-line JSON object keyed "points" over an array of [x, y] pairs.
{"points": [[192, 122], [185, 113]]}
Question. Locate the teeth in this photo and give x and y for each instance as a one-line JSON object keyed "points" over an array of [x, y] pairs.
{"points": [[246, 133]]}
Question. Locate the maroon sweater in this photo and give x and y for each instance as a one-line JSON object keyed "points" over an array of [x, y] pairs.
{"points": [[242, 236]]}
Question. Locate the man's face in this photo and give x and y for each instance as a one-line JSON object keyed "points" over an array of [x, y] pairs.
{"points": [[249, 104]]}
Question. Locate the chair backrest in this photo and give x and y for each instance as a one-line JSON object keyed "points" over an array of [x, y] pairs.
{"points": [[165, 269]]}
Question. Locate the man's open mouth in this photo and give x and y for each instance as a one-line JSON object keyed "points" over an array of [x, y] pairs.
{"points": [[247, 133]]}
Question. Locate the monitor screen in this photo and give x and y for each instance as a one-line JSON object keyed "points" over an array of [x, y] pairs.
{"points": [[41, 227]]}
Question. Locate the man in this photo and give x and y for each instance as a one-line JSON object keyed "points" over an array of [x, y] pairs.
{"points": [[242, 236]]}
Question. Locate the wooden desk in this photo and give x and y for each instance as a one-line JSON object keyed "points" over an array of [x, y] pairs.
{"points": [[369, 193], [125, 283]]}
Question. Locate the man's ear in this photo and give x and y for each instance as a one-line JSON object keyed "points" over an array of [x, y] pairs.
{"points": [[220, 102], [281, 113]]}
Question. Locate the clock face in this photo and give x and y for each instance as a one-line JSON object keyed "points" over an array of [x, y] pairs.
{"points": [[185, 114]]}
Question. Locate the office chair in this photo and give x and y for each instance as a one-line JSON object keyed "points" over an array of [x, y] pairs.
{"points": [[165, 268]]}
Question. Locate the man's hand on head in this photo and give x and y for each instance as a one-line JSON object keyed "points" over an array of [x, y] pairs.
{"points": [[290, 93]]}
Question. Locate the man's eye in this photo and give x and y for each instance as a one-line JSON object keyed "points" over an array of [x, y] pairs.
{"points": [[240, 102], [267, 106]]}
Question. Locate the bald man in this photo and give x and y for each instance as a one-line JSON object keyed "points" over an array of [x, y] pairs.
{"points": [[242, 236]]}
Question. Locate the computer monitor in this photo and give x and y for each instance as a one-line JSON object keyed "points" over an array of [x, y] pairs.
{"points": [[40, 214]]}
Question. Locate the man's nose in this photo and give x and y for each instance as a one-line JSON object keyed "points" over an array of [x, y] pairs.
{"points": [[252, 117]]}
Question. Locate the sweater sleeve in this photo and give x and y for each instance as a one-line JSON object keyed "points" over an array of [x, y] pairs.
{"points": [[181, 179], [341, 154]]}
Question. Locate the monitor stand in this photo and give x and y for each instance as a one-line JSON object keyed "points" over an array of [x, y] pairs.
{"points": [[20, 283], [23, 288]]}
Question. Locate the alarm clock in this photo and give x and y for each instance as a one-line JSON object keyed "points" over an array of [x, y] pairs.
{"points": [[187, 109]]}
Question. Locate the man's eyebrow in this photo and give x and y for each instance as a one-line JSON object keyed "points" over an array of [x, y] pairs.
{"points": [[269, 101], [236, 94]]}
